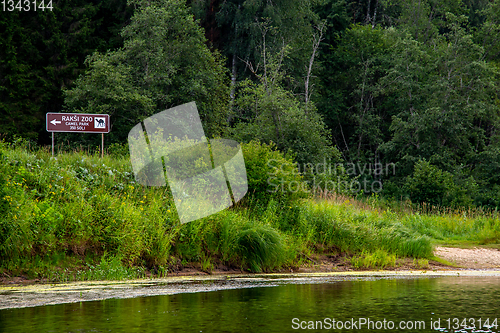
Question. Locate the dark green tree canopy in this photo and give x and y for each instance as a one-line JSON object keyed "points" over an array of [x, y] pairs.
{"points": [[362, 81], [164, 62]]}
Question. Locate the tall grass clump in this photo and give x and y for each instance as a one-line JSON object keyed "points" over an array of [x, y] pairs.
{"points": [[378, 259], [235, 239], [442, 224], [354, 231], [260, 247]]}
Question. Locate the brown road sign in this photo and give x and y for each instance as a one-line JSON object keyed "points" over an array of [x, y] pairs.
{"points": [[77, 122]]}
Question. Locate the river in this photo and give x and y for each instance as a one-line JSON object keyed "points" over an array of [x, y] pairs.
{"points": [[279, 304]]}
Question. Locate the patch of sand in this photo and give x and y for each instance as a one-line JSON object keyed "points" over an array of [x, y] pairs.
{"points": [[475, 258]]}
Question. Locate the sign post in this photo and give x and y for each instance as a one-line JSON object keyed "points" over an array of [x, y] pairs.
{"points": [[77, 122]]}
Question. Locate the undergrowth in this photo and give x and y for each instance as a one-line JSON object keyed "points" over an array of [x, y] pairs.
{"points": [[78, 216], [378, 259]]}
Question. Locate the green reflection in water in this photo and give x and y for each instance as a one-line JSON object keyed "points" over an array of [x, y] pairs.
{"points": [[271, 309]]}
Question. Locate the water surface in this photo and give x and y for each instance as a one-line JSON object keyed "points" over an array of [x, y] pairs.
{"points": [[282, 308]]}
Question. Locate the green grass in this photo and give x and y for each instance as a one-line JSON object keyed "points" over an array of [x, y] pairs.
{"points": [[379, 259], [466, 227], [107, 269], [352, 230], [79, 216], [421, 263], [443, 261]]}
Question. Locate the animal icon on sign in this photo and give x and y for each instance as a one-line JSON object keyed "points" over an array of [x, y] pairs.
{"points": [[99, 122]]}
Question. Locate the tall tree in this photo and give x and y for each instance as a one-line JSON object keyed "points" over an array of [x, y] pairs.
{"points": [[242, 23], [164, 62], [488, 34], [42, 52], [268, 112], [445, 95], [351, 103]]}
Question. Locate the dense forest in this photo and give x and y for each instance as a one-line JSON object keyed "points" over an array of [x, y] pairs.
{"points": [[402, 94]]}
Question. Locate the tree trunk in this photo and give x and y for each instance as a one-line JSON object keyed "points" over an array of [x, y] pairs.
{"points": [[374, 14], [316, 44], [233, 88], [367, 18]]}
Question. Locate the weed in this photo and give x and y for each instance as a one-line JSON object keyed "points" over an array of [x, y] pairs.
{"points": [[109, 268], [421, 263], [379, 259]]}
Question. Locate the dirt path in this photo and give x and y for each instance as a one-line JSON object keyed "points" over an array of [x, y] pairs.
{"points": [[475, 258]]}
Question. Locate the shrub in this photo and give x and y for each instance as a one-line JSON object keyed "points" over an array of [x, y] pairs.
{"points": [[271, 174], [430, 184]]}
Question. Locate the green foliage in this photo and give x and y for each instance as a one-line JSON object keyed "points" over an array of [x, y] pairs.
{"points": [[378, 259], [82, 217], [350, 98], [42, 52], [430, 184], [164, 62], [108, 88], [272, 174], [407, 82], [421, 263], [80, 205], [235, 239], [424, 19], [260, 247], [274, 115], [443, 119], [353, 231], [246, 27], [118, 150], [486, 33], [389, 81], [4, 201], [398, 95], [109, 269], [456, 226]]}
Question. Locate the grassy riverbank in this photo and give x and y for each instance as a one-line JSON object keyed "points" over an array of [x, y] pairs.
{"points": [[80, 217]]}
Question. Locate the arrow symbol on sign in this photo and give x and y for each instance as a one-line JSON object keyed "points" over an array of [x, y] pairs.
{"points": [[55, 122]]}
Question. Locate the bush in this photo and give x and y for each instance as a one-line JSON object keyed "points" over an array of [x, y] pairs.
{"points": [[273, 114], [430, 184], [118, 150], [271, 174]]}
